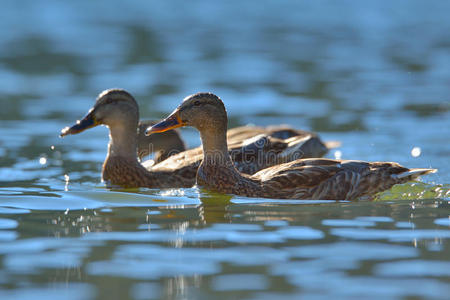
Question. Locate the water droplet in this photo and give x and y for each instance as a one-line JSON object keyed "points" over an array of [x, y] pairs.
{"points": [[416, 151], [337, 154], [66, 186], [52, 147], [43, 160]]}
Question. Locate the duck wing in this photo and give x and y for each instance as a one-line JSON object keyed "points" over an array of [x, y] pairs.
{"points": [[333, 179]]}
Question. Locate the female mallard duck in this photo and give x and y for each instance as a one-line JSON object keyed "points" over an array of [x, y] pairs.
{"points": [[299, 179], [118, 110]]}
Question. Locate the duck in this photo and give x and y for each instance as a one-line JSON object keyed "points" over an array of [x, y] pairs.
{"points": [[118, 110], [313, 178], [253, 148]]}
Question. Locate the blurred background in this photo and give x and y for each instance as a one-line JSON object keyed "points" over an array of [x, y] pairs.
{"points": [[374, 75]]}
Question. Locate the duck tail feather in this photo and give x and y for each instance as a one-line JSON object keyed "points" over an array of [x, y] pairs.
{"points": [[413, 173]]}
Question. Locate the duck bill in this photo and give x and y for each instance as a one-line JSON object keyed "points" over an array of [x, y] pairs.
{"points": [[171, 122], [87, 122]]}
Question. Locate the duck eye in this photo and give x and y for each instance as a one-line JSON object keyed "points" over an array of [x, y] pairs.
{"points": [[197, 103]]}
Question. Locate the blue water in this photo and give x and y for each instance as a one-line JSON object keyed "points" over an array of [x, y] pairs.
{"points": [[373, 75]]}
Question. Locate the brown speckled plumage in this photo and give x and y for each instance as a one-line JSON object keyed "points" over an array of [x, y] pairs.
{"points": [[298, 179], [120, 171]]}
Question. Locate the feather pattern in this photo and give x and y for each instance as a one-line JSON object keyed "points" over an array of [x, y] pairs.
{"points": [[324, 179]]}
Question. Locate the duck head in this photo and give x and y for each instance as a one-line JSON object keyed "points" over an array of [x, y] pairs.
{"points": [[113, 108], [204, 111]]}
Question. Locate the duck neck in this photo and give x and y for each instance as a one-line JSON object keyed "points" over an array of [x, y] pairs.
{"points": [[122, 142], [215, 148], [162, 154], [179, 146]]}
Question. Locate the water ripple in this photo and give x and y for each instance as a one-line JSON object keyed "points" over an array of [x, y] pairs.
{"points": [[413, 268], [392, 235]]}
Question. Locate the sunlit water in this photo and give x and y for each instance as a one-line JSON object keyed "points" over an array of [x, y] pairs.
{"points": [[375, 76]]}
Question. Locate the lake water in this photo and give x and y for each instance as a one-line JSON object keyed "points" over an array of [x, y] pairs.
{"points": [[374, 75]]}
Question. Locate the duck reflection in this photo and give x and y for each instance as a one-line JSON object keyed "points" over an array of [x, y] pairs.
{"points": [[214, 207]]}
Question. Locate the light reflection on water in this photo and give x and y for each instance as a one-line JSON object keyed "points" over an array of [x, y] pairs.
{"points": [[202, 244], [371, 75]]}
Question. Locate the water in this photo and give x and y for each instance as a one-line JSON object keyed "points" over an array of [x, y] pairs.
{"points": [[374, 75]]}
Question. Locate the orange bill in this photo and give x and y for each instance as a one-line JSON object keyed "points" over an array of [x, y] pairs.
{"points": [[171, 122]]}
